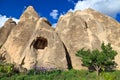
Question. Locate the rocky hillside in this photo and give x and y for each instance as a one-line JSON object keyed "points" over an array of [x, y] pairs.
{"points": [[33, 43]]}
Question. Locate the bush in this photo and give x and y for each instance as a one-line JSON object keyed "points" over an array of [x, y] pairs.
{"points": [[6, 68]]}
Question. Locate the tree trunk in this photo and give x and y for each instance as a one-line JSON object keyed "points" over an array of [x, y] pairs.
{"points": [[97, 69], [97, 72]]}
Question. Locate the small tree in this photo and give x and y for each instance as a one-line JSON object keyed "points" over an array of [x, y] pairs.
{"points": [[98, 60]]}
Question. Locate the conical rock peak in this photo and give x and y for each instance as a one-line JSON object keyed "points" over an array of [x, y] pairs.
{"points": [[29, 14]]}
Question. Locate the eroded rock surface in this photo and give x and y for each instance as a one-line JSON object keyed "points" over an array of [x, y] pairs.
{"points": [[5, 30], [88, 29], [33, 43]]}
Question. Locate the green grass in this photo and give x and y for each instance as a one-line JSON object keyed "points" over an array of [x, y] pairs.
{"points": [[62, 75]]}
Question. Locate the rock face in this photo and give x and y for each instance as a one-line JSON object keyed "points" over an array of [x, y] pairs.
{"points": [[5, 30], [87, 29], [33, 43]]}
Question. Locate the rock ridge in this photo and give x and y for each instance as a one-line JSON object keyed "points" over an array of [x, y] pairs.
{"points": [[33, 42]]}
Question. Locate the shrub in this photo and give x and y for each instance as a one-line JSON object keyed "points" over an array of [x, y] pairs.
{"points": [[6, 68]]}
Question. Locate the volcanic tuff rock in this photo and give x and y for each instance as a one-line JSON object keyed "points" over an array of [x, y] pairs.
{"points": [[5, 30], [33, 43], [87, 29]]}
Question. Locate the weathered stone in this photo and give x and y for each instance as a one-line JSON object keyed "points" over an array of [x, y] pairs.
{"points": [[87, 29], [5, 30], [45, 48], [33, 43]]}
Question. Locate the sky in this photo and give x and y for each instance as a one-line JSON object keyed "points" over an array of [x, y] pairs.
{"points": [[53, 9]]}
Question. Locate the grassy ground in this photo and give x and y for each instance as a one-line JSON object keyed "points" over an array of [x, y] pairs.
{"points": [[59, 75]]}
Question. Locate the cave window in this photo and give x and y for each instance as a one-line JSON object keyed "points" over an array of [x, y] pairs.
{"points": [[40, 43]]}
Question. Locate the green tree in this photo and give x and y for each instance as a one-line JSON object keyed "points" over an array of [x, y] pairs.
{"points": [[98, 60]]}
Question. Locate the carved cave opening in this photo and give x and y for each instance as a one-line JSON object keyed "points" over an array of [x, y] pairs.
{"points": [[40, 43]]}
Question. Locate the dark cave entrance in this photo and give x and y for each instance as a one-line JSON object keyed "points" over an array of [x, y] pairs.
{"points": [[40, 43]]}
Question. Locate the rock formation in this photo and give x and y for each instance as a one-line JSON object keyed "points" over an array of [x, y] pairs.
{"points": [[33, 43], [5, 30], [87, 29]]}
